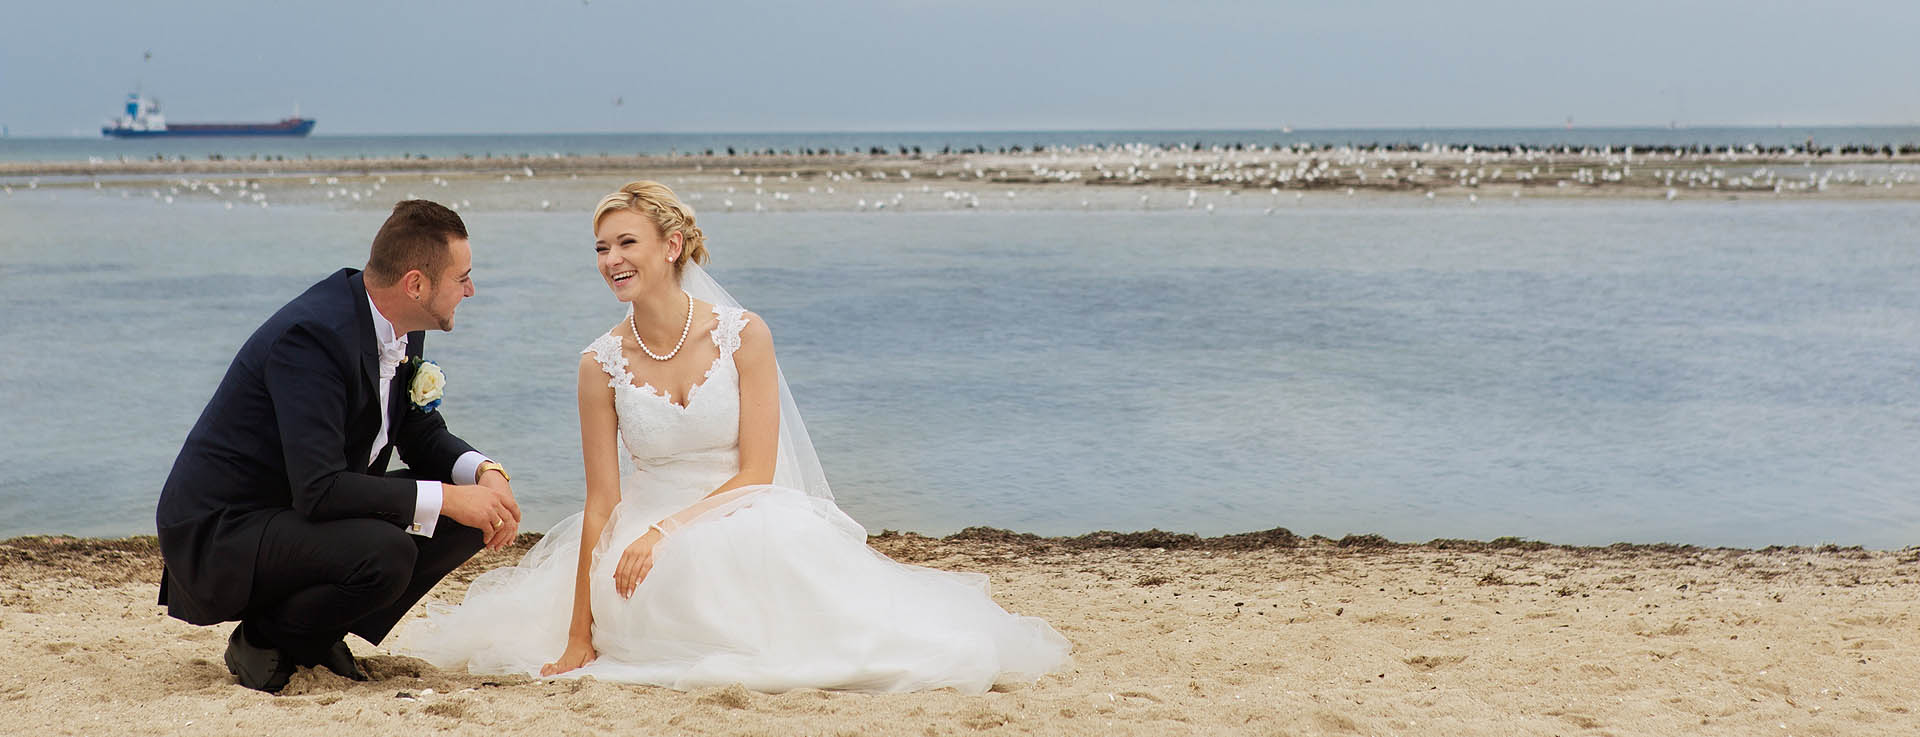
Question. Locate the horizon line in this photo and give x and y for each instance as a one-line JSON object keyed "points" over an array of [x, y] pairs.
{"points": [[998, 131]]}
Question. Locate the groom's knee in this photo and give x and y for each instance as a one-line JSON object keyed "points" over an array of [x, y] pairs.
{"points": [[384, 564], [452, 544]]}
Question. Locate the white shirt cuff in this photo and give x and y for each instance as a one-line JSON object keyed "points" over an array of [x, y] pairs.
{"points": [[426, 508], [466, 470]]}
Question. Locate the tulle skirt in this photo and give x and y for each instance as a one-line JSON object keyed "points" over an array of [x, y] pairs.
{"points": [[775, 590]]}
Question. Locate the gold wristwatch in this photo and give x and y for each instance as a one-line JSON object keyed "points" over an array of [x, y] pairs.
{"points": [[486, 466]]}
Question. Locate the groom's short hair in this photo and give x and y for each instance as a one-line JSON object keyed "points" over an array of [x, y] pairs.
{"points": [[415, 236]]}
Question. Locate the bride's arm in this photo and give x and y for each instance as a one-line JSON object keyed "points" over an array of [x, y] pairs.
{"points": [[759, 407], [759, 449], [599, 441]]}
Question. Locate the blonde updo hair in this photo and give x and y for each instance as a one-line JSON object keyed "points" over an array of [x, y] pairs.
{"points": [[656, 202]]}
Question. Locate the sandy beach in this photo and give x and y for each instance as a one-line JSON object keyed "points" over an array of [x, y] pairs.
{"points": [[1132, 177], [1261, 634], [1258, 634]]}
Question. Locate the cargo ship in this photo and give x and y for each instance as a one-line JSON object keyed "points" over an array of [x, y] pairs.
{"points": [[144, 120]]}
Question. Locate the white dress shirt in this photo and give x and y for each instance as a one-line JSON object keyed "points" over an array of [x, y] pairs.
{"points": [[428, 500]]}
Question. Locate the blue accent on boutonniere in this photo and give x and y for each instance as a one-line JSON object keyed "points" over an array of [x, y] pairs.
{"points": [[417, 363]]}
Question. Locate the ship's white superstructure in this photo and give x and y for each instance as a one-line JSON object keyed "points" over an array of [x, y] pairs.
{"points": [[142, 114]]}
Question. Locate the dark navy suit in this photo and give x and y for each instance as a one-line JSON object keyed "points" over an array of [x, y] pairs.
{"points": [[272, 513]]}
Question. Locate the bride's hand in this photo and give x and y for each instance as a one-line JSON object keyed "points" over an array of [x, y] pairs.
{"points": [[635, 563], [579, 653]]}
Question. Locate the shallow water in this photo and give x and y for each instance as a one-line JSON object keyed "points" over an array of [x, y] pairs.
{"points": [[1719, 373], [326, 146]]}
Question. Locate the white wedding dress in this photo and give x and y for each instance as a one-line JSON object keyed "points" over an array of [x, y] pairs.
{"points": [[774, 590]]}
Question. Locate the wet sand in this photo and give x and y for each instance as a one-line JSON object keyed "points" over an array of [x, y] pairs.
{"points": [[1266, 634], [1104, 178]]}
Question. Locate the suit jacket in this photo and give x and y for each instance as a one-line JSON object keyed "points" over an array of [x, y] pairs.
{"points": [[289, 430]]}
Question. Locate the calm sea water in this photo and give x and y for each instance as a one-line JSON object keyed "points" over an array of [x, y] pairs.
{"points": [[1720, 373], [335, 147]]}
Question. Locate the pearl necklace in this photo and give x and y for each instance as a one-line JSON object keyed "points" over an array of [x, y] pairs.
{"points": [[676, 347]]}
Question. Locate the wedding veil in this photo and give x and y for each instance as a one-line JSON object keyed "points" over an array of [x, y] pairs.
{"points": [[797, 465]]}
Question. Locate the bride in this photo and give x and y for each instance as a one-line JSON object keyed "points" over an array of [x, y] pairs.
{"points": [[721, 557]]}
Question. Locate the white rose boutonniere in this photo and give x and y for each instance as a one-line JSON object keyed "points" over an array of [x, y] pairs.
{"points": [[429, 384]]}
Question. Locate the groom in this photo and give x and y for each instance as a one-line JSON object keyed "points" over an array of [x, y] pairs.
{"points": [[280, 512]]}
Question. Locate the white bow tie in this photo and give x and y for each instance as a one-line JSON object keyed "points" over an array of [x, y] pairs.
{"points": [[391, 355]]}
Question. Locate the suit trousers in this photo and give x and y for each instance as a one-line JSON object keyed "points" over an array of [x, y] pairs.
{"points": [[315, 582]]}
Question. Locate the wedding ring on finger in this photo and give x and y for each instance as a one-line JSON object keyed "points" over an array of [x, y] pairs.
{"points": [[496, 524]]}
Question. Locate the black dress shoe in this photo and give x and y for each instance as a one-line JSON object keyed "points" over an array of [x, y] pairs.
{"points": [[339, 659], [259, 668]]}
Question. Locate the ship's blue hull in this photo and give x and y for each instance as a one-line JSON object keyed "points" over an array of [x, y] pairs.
{"points": [[293, 128]]}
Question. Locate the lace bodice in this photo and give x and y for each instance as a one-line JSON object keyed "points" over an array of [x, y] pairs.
{"points": [[662, 436], [773, 589]]}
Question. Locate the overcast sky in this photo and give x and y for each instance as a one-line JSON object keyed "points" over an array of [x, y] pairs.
{"points": [[527, 66]]}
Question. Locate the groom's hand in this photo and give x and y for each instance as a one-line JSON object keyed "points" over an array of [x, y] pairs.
{"points": [[510, 528], [487, 507]]}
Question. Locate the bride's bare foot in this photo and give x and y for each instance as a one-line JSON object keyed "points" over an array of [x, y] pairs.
{"points": [[578, 654]]}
